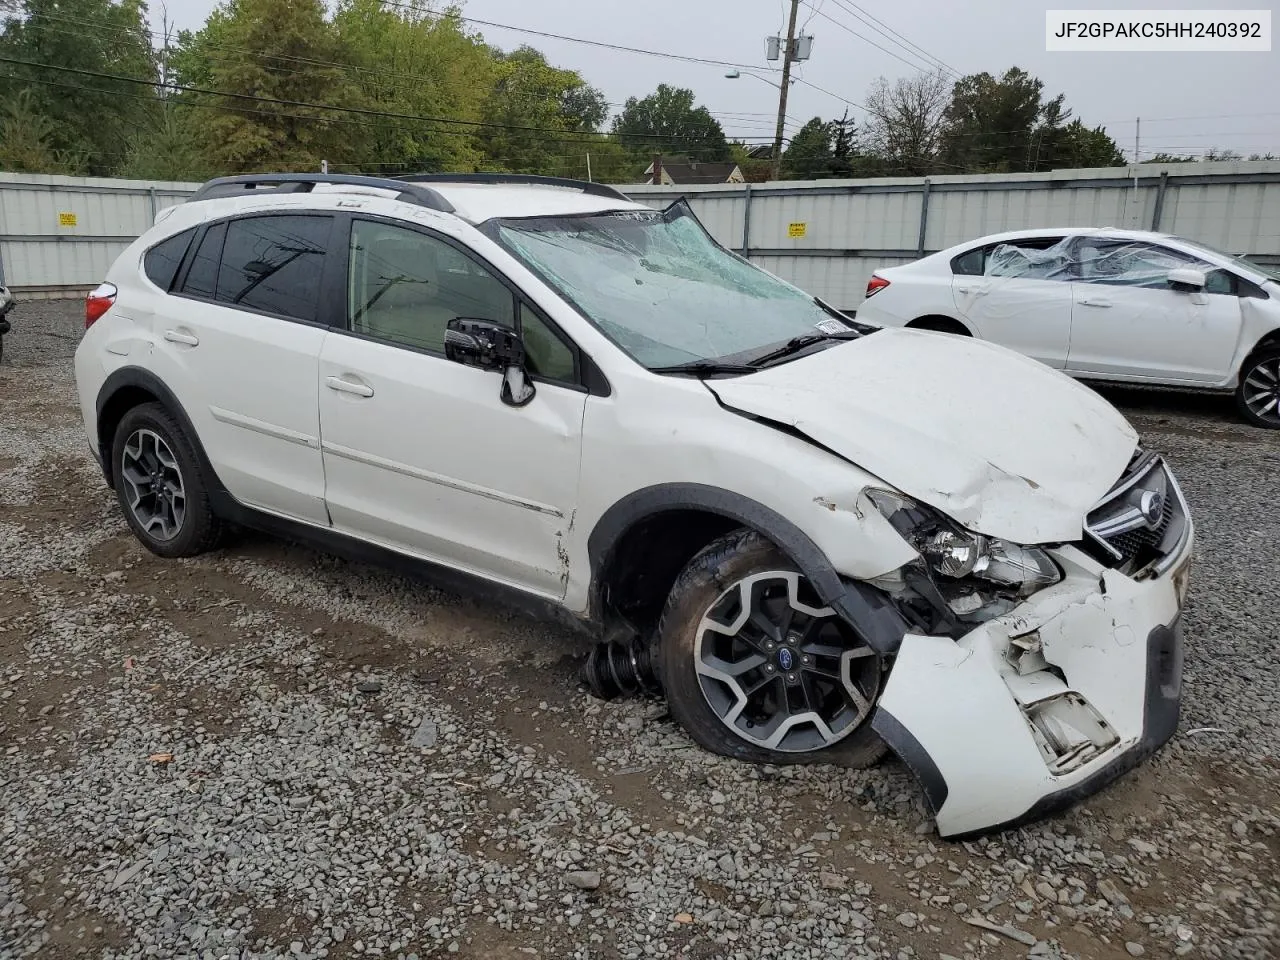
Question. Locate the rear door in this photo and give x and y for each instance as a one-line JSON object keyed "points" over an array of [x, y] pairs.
{"points": [[1128, 322], [239, 340], [420, 452], [1017, 294]]}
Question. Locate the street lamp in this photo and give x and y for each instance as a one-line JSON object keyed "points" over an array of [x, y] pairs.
{"points": [[788, 80]]}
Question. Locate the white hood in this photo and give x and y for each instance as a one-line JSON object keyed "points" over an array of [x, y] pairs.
{"points": [[1000, 443]]}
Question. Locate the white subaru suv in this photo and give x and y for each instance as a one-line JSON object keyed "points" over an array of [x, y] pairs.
{"points": [[815, 538]]}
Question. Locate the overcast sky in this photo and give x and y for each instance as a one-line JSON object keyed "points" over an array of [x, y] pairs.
{"points": [[1188, 102]]}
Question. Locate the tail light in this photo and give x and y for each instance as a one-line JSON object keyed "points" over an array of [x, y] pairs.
{"points": [[98, 302], [876, 284]]}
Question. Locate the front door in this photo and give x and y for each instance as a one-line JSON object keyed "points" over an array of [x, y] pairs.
{"points": [[420, 453], [1129, 323]]}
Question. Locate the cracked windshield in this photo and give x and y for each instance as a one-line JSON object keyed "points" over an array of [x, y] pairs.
{"points": [[660, 287]]}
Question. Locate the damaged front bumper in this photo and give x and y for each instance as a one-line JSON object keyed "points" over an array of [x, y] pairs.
{"points": [[1034, 710]]}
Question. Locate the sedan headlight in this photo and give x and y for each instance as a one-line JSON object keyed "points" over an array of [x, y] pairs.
{"points": [[977, 577]]}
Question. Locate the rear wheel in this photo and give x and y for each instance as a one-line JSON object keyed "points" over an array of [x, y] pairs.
{"points": [[756, 667], [1258, 395], [160, 486]]}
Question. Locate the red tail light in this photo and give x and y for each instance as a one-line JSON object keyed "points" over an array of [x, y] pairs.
{"points": [[876, 284], [98, 302]]}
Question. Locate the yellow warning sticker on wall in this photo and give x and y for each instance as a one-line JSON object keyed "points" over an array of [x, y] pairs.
{"points": [[66, 219], [797, 229]]}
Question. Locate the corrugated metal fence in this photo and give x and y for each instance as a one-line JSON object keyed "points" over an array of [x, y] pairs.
{"points": [[58, 235], [827, 236]]}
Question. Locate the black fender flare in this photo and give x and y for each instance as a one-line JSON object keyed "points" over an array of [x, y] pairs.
{"points": [[869, 611], [130, 376]]}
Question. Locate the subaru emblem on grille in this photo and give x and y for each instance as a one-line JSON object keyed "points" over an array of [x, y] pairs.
{"points": [[1152, 507]]}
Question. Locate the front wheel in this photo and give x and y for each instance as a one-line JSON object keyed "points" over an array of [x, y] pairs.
{"points": [[756, 667], [1258, 395]]}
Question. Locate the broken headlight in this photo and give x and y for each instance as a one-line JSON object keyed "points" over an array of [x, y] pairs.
{"points": [[974, 576]]}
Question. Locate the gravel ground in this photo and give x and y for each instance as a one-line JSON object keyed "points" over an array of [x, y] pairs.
{"points": [[266, 752]]}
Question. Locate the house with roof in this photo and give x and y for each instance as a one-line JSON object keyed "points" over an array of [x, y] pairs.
{"points": [[676, 173]]}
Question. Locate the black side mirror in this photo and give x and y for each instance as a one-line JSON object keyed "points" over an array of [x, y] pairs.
{"points": [[491, 346]]}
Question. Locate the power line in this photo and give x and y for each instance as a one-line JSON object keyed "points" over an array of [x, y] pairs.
{"points": [[851, 31], [561, 135], [873, 21]]}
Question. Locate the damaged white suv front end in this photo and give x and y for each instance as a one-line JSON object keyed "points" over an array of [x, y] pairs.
{"points": [[1050, 697]]}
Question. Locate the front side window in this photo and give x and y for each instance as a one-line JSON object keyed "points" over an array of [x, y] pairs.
{"points": [[659, 286], [1129, 263], [274, 264], [161, 262], [405, 287]]}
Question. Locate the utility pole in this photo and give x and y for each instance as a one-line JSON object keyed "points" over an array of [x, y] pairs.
{"points": [[788, 54]]}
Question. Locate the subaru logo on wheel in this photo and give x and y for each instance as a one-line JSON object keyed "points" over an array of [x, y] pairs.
{"points": [[786, 659], [1152, 508]]}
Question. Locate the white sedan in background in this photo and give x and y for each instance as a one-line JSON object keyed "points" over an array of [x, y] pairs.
{"points": [[1120, 305]]}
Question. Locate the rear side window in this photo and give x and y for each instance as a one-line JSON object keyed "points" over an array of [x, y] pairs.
{"points": [[161, 262], [202, 275], [274, 264], [969, 264]]}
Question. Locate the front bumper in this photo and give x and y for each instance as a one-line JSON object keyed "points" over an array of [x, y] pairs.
{"points": [[1032, 711]]}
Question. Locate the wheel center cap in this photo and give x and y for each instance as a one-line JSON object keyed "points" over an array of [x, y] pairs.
{"points": [[786, 659]]}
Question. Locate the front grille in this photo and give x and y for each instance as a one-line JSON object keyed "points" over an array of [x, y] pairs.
{"points": [[1141, 520]]}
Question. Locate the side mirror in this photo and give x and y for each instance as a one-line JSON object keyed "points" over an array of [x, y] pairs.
{"points": [[491, 346], [1187, 280]]}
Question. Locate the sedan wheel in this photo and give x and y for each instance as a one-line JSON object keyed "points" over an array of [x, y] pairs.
{"points": [[1258, 395]]}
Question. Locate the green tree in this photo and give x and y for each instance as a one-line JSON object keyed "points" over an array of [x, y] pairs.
{"points": [[166, 149], [88, 117], [1075, 146], [540, 117], [280, 52], [667, 122], [26, 138], [811, 153], [1171, 158], [407, 59]]}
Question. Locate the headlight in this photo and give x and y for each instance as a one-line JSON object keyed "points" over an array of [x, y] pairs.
{"points": [[978, 577]]}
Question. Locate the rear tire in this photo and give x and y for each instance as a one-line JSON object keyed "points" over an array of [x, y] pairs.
{"points": [[1258, 393], [160, 485], [793, 684]]}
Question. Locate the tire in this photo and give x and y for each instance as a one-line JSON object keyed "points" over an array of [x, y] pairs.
{"points": [[745, 564], [1258, 393], [940, 325], [150, 452]]}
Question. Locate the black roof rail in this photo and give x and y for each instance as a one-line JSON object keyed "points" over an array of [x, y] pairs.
{"points": [[306, 182], [586, 186]]}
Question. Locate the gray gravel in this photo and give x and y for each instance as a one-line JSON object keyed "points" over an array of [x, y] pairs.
{"points": [[266, 752]]}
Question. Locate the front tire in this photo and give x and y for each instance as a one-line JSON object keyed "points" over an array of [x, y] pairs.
{"points": [[1258, 394], [160, 485], [756, 667]]}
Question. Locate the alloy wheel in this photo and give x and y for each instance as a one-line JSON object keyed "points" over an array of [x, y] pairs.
{"points": [[1261, 391], [153, 482], [780, 670]]}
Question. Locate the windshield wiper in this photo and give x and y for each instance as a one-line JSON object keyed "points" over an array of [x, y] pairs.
{"points": [[704, 368], [796, 344]]}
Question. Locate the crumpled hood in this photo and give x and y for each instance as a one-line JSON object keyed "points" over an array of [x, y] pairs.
{"points": [[1000, 443]]}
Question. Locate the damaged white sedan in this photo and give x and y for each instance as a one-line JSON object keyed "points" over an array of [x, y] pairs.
{"points": [[818, 540]]}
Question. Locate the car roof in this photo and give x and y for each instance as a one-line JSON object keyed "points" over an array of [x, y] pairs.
{"points": [[474, 198], [1118, 232]]}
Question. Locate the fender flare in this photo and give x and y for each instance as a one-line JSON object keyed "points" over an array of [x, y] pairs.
{"points": [[131, 376], [865, 609]]}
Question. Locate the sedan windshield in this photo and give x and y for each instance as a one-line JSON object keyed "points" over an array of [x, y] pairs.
{"points": [[660, 287], [1271, 272]]}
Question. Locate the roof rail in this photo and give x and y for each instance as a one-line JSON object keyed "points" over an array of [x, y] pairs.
{"points": [[586, 186], [306, 182]]}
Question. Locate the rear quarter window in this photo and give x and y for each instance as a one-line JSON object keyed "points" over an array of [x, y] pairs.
{"points": [[161, 262]]}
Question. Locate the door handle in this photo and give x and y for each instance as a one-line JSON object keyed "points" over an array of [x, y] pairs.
{"points": [[347, 386], [976, 291], [174, 336], [1094, 302]]}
